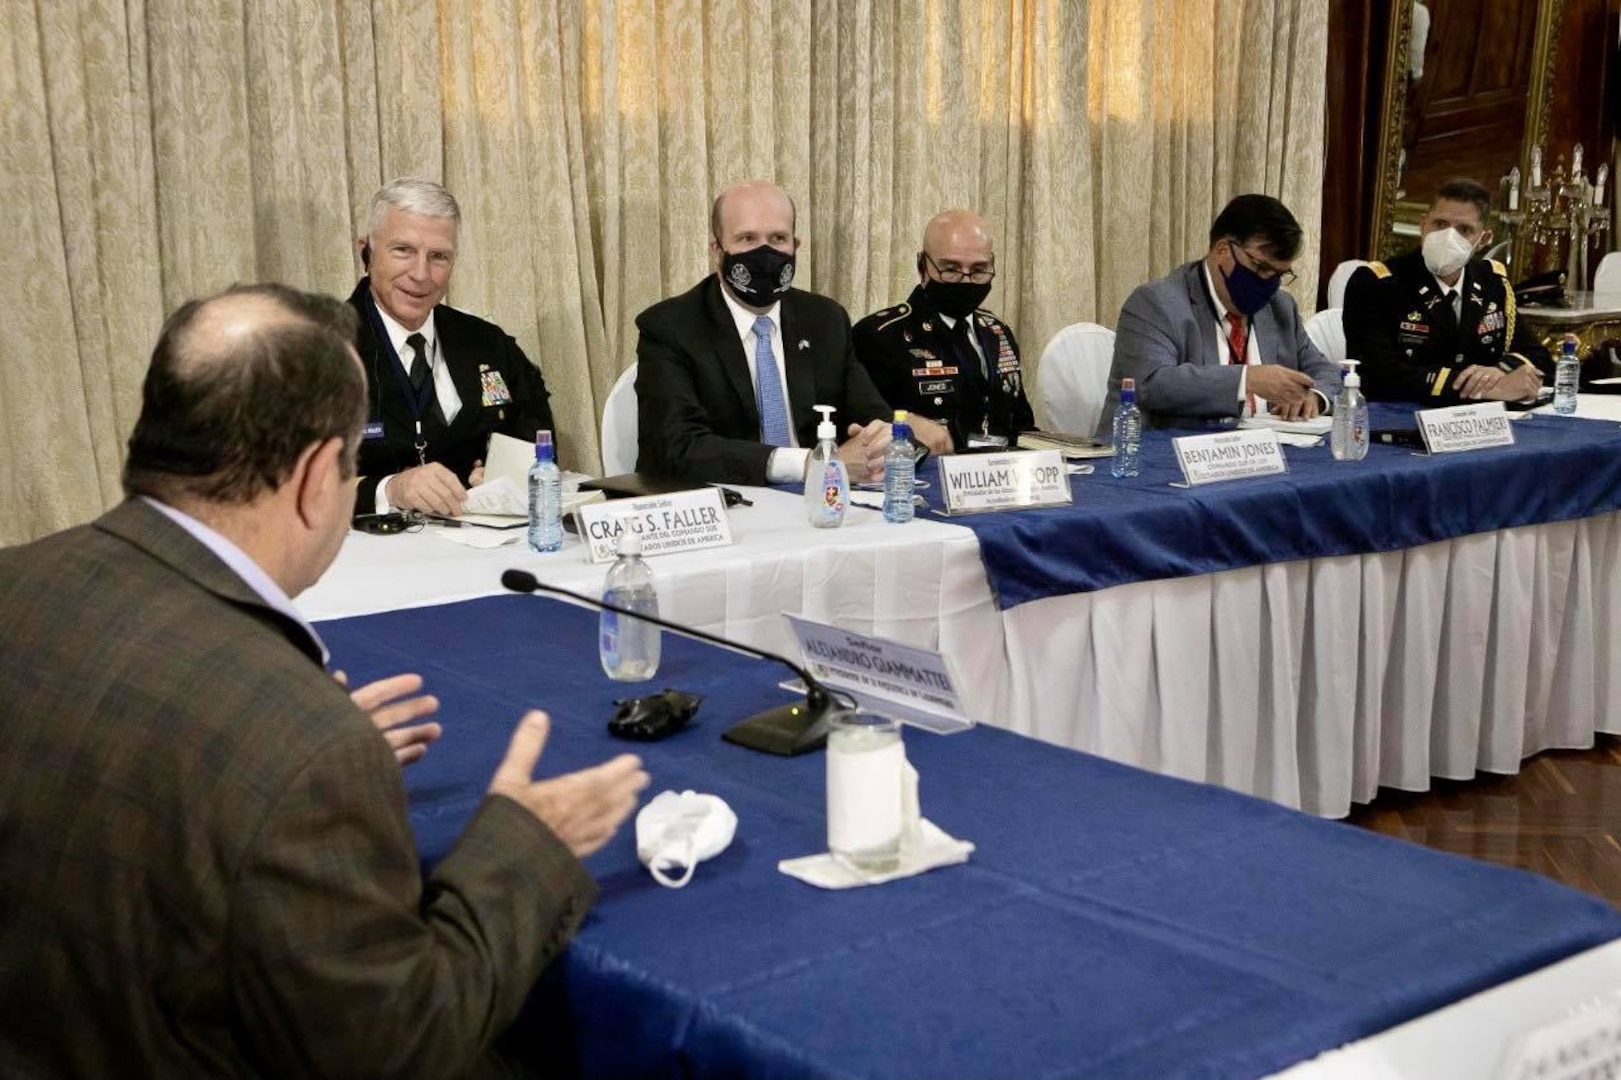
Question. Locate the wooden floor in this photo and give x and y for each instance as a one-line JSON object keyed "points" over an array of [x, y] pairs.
{"points": [[1559, 816]]}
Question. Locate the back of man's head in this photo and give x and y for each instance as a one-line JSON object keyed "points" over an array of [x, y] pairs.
{"points": [[240, 385], [1261, 219]]}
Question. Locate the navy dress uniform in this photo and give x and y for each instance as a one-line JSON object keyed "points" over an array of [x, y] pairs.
{"points": [[1401, 323], [926, 367]]}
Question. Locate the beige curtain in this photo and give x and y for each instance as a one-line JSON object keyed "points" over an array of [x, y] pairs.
{"points": [[157, 149]]}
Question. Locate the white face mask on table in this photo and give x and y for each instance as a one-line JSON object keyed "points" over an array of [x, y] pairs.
{"points": [[675, 831], [1446, 252]]}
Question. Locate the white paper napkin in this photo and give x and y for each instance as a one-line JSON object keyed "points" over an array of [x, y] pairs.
{"points": [[927, 849], [483, 539]]}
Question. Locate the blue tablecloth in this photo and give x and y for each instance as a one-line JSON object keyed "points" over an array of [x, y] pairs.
{"points": [[1112, 923], [1143, 529]]}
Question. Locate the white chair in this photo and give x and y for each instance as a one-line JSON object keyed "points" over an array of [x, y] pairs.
{"points": [[1338, 280], [1607, 282], [1327, 331], [1074, 377], [619, 434]]}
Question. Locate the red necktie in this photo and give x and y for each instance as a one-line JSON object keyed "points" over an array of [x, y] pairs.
{"points": [[1238, 340]]}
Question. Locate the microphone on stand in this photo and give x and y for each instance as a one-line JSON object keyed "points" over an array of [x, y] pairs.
{"points": [[787, 730]]}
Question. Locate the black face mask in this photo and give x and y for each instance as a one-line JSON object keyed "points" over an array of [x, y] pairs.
{"points": [[1250, 291], [758, 277], [959, 299]]}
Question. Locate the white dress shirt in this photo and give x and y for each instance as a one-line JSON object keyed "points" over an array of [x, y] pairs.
{"points": [[444, 387], [242, 565], [787, 463], [973, 341], [1454, 295], [1252, 350]]}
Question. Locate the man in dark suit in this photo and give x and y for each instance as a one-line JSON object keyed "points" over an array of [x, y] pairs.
{"points": [[1438, 325], [939, 354], [439, 381], [729, 372], [1217, 340], [208, 869]]}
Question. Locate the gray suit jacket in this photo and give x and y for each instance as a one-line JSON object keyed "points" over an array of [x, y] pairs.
{"points": [[1166, 340], [208, 869]]}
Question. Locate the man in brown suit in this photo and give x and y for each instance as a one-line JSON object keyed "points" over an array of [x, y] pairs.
{"points": [[205, 863]]}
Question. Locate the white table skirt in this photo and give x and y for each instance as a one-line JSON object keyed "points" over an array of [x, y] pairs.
{"points": [[1314, 682], [921, 583], [1310, 683]]}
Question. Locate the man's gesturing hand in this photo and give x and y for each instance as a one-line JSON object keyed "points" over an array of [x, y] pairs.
{"points": [[584, 809], [392, 704]]}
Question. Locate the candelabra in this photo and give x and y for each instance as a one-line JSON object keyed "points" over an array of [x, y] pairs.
{"points": [[1567, 210]]}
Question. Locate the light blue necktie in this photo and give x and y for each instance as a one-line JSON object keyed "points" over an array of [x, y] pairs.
{"points": [[768, 388]]}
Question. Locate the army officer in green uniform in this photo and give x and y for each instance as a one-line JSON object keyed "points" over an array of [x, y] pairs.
{"points": [[938, 355], [1438, 325]]}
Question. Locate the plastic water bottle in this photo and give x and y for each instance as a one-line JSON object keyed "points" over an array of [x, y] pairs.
{"points": [[629, 648], [545, 497], [1128, 432], [1348, 437], [1565, 377], [899, 461]]}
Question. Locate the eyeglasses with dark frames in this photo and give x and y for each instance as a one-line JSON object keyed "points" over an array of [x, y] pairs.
{"points": [[953, 274], [1265, 270]]}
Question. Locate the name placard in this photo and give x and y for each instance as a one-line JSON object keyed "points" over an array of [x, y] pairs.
{"points": [[886, 677], [1229, 455], [679, 521], [975, 483], [1465, 427], [1569, 1048]]}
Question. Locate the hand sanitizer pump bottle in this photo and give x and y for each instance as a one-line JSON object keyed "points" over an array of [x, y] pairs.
{"points": [[1348, 437], [827, 481]]}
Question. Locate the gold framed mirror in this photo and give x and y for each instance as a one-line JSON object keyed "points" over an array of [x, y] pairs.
{"points": [[1525, 75]]}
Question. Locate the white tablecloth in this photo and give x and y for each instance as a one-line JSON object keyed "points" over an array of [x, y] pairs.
{"points": [[921, 583], [1311, 683]]}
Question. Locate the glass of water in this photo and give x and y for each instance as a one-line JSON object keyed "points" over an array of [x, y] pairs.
{"points": [[865, 802]]}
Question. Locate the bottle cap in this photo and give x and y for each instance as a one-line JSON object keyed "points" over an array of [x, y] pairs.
{"points": [[544, 450], [1128, 391], [825, 429], [900, 416], [1351, 378], [630, 541], [1128, 384], [1569, 344]]}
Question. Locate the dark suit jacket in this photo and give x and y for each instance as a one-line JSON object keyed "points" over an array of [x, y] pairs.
{"points": [[1399, 324], [695, 400], [1166, 340], [471, 348], [913, 359], [207, 864]]}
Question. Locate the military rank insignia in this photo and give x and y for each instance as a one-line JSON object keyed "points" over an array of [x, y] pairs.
{"points": [[494, 389]]}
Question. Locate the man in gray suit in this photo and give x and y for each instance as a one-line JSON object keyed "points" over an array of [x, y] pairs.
{"points": [[208, 866], [1217, 340]]}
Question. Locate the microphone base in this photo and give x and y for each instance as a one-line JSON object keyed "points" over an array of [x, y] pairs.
{"points": [[787, 730]]}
